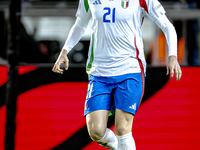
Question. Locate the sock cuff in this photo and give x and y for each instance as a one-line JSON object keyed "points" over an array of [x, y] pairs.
{"points": [[125, 136], [102, 137], [109, 140], [107, 131]]}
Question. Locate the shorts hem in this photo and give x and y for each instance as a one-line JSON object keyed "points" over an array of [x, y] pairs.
{"points": [[131, 112], [89, 111]]}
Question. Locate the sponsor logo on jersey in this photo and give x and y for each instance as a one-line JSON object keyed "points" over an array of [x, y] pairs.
{"points": [[157, 7], [125, 3], [133, 106], [97, 2]]}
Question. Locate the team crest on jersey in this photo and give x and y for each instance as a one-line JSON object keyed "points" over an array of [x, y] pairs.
{"points": [[125, 4]]}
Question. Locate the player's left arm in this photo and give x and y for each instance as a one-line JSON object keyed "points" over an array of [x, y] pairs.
{"points": [[157, 13], [173, 66], [171, 37]]}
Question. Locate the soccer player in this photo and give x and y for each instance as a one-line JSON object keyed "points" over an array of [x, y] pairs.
{"points": [[116, 63]]}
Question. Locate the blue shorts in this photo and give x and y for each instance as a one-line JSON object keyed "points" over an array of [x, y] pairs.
{"points": [[122, 92]]}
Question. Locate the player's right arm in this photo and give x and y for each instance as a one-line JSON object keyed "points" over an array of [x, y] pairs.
{"points": [[83, 16]]}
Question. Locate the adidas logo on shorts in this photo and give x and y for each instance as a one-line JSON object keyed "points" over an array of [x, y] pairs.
{"points": [[133, 106]]}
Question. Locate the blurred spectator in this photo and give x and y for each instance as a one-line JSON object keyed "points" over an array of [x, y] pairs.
{"points": [[3, 38], [197, 2], [192, 32], [32, 51], [192, 35]]}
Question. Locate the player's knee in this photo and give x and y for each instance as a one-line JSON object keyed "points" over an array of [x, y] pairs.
{"points": [[123, 122], [120, 130], [97, 132]]}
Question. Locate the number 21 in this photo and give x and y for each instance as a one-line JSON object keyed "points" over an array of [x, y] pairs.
{"points": [[108, 13]]}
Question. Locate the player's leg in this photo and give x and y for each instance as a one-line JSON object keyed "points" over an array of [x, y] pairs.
{"points": [[98, 131], [123, 128], [97, 106], [97, 123], [127, 97]]}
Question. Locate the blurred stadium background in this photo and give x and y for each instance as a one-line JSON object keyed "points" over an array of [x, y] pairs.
{"points": [[41, 110]]}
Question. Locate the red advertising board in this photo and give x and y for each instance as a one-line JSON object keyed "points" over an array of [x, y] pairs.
{"points": [[50, 114]]}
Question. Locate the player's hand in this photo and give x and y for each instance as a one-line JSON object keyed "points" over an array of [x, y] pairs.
{"points": [[62, 58], [173, 65]]}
